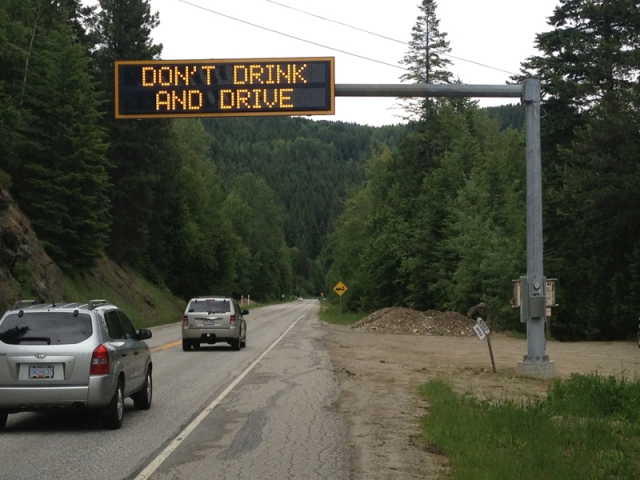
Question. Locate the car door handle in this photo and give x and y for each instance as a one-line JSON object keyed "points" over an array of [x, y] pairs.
{"points": [[124, 354], [136, 353]]}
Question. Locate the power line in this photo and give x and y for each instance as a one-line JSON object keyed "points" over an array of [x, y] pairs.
{"points": [[382, 36], [336, 21], [291, 36]]}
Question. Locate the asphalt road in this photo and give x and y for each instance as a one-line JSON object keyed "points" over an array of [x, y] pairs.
{"points": [[260, 413]]}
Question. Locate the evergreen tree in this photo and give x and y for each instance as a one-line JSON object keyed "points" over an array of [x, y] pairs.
{"points": [[589, 72], [258, 220], [60, 180], [142, 152], [426, 59], [200, 246], [12, 38]]}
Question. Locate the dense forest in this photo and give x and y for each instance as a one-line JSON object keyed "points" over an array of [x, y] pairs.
{"points": [[428, 214]]}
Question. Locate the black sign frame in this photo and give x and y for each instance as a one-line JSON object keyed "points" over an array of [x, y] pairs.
{"points": [[228, 87]]}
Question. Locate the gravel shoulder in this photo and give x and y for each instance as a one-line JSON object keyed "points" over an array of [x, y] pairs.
{"points": [[379, 374]]}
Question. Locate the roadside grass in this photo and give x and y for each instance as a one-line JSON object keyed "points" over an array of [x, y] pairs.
{"points": [[587, 428], [516, 335], [253, 305], [144, 303], [330, 313]]}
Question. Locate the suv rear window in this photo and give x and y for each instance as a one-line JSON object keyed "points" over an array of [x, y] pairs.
{"points": [[45, 328], [210, 306]]}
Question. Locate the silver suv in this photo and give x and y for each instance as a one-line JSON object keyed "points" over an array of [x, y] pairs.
{"points": [[211, 320], [72, 356]]}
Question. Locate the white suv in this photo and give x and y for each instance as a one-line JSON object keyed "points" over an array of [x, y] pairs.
{"points": [[72, 356], [211, 320]]}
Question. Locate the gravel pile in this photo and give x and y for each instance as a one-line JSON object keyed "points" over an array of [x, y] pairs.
{"points": [[412, 322]]}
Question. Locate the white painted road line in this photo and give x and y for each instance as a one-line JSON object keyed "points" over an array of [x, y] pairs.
{"points": [[153, 466]]}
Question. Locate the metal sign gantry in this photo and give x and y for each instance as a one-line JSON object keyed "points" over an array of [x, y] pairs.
{"points": [[183, 88], [535, 363]]}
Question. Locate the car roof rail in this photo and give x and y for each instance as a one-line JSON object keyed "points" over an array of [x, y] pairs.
{"points": [[23, 303], [97, 303]]}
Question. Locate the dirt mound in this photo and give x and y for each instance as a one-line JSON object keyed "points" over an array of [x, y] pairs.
{"points": [[412, 322]]}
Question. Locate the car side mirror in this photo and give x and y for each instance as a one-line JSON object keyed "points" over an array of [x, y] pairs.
{"points": [[144, 334], [245, 312]]}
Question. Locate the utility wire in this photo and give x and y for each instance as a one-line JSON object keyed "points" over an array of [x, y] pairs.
{"points": [[336, 21], [382, 36], [291, 36]]}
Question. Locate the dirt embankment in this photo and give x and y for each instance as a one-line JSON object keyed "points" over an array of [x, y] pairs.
{"points": [[413, 322]]}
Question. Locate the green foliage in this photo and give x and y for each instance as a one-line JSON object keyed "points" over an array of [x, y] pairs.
{"points": [[201, 238], [5, 180], [426, 59], [23, 275], [146, 304], [332, 312], [445, 230], [509, 116], [484, 231], [588, 68], [143, 196], [572, 434], [308, 165], [429, 215], [596, 396], [258, 218], [63, 185]]}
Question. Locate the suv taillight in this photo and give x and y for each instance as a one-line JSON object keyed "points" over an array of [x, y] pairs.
{"points": [[233, 319], [185, 321], [100, 361]]}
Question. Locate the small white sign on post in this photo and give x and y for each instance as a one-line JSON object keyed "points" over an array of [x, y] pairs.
{"points": [[478, 329], [483, 326]]}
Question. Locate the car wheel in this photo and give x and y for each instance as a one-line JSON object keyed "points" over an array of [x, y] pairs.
{"points": [[244, 341], [3, 419], [235, 343], [186, 345], [115, 411], [142, 399], [638, 337]]}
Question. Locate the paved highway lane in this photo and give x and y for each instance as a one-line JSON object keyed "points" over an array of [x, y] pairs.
{"points": [[271, 421]]}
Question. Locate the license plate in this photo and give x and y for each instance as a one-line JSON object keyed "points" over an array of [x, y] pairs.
{"points": [[208, 321], [41, 371]]}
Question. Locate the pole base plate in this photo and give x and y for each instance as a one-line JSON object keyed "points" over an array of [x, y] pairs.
{"points": [[544, 370]]}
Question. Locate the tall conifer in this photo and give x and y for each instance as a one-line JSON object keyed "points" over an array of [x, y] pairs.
{"points": [[141, 152], [589, 69], [60, 180], [426, 59]]}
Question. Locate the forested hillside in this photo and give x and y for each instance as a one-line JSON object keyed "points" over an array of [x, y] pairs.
{"points": [[430, 214], [309, 165], [440, 223]]}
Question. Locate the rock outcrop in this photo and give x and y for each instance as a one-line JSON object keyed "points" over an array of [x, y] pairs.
{"points": [[26, 271]]}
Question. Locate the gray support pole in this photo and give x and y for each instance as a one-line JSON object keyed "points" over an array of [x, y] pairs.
{"points": [[535, 363], [428, 90]]}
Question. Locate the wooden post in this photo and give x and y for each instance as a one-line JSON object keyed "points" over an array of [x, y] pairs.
{"points": [[486, 307]]}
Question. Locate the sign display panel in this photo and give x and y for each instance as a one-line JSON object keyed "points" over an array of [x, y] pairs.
{"points": [[215, 88]]}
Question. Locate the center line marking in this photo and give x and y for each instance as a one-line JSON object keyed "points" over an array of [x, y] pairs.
{"points": [[166, 346]]}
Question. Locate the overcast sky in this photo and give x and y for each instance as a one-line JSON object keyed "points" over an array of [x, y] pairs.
{"points": [[496, 33]]}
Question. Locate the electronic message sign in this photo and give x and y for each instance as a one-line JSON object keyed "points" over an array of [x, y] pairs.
{"points": [[214, 88]]}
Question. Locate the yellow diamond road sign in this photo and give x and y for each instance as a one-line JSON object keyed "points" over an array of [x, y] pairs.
{"points": [[340, 288]]}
